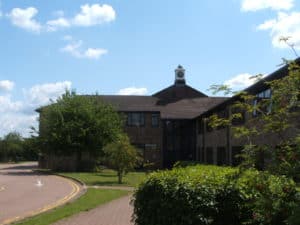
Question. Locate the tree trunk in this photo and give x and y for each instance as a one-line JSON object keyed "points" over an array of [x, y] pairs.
{"points": [[120, 176]]}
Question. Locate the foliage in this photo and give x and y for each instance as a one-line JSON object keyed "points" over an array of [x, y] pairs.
{"points": [[273, 116], [90, 200], [13, 147], [213, 195], [121, 156], [77, 125]]}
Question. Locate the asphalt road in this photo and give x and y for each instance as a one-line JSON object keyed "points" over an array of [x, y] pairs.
{"points": [[25, 193]]}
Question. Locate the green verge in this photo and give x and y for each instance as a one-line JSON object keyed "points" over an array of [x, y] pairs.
{"points": [[108, 177], [91, 199]]}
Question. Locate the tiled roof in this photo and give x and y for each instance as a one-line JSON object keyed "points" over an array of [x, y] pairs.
{"points": [[182, 109]]}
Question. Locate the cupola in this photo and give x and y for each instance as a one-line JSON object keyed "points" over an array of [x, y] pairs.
{"points": [[180, 76]]}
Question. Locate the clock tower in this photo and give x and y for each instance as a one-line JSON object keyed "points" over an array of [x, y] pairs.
{"points": [[180, 76]]}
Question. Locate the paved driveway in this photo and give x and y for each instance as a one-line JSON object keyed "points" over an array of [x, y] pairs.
{"points": [[25, 193]]}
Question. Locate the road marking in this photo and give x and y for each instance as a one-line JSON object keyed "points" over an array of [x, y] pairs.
{"points": [[74, 192], [2, 188]]}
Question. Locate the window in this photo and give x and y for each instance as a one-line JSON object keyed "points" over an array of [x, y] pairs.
{"points": [[265, 94], [135, 119], [221, 156], [151, 147], [236, 158], [155, 120], [209, 155], [262, 101]]}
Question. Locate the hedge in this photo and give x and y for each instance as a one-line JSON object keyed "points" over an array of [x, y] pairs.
{"points": [[214, 195]]}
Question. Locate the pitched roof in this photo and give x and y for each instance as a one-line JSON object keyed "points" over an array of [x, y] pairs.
{"points": [[182, 109], [255, 88]]}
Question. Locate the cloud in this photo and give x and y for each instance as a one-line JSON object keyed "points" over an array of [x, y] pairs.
{"points": [[94, 15], [285, 25], [8, 105], [255, 5], [24, 18], [91, 53], [132, 91], [19, 115], [53, 25], [41, 94], [240, 81], [90, 15], [18, 122], [6, 85]]}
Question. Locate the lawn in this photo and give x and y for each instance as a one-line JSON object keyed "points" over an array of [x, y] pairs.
{"points": [[92, 199], [108, 178]]}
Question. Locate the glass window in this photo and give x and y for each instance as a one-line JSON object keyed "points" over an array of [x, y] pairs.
{"points": [[155, 120], [151, 147], [254, 105], [135, 119], [268, 93]]}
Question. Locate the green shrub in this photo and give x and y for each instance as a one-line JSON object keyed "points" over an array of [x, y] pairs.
{"points": [[214, 195], [185, 164]]}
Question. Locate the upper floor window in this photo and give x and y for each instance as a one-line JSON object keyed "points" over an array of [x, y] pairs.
{"points": [[136, 119], [155, 120], [264, 94]]}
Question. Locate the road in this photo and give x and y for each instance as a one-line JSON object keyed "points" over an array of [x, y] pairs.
{"points": [[26, 193]]}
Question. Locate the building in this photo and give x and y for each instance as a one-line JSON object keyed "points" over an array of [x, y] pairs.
{"points": [[171, 125], [219, 145], [163, 125]]}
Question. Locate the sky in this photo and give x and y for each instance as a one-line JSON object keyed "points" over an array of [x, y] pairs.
{"points": [[133, 47]]}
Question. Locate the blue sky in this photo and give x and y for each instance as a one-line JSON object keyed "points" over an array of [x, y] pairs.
{"points": [[133, 47]]}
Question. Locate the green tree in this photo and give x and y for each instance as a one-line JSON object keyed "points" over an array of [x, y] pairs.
{"points": [[78, 124], [11, 147], [121, 156]]}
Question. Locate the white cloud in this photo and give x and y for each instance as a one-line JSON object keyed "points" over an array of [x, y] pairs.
{"points": [[24, 18], [8, 105], [41, 94], [91, 53], [19, 122], [240, 81], [90, 15], [255, 5], [285, 25], [20, 115], [132, 91], [53, 25], [6, 85], [94, 14]]}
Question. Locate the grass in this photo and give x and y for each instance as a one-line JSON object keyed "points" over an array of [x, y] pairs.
{"points": [[92, 199], [108, 178]]}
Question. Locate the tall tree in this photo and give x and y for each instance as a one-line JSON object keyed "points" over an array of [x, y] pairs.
{"points": [[76, 124]]}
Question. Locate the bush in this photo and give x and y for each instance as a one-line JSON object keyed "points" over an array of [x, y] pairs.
{"points": [[214, 195]]}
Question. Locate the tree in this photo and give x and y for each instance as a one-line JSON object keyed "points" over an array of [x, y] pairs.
{"points": [[78, 124], [121, 156], [275, 115], [11, 147]]}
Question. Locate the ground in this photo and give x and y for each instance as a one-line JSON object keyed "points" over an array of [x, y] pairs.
{"points": [[25, 193]]}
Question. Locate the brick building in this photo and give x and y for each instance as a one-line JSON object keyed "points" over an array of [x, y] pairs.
{"points": [[171, 125], [163, 125], [219, 145]]}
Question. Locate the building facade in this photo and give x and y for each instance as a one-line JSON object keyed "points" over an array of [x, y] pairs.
{"points": [[172, 124], [220, 146], [163, 125]]}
